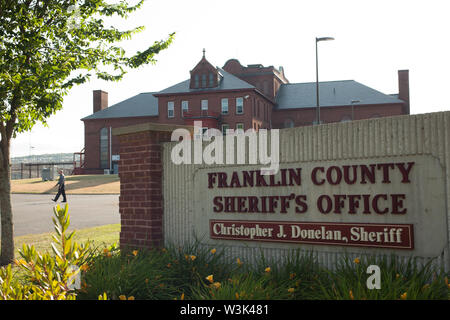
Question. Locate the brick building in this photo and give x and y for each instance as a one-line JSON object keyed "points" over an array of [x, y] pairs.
{"points": [[234, 97]]}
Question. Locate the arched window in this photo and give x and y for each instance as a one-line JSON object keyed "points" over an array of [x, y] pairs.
{"points": [[211, 79], [104, 149], [288, 123]]}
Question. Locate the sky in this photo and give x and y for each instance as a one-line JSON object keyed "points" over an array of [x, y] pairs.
{"points": [[373, 40]]}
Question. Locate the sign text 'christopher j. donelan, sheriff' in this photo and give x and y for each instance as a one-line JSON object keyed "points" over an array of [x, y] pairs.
{"points": [[398, 236]]}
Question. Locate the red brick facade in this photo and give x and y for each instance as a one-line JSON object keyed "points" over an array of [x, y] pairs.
{"points": [[92, 139], [266, 79], [306, 116], [260, 109], [256, 108]]}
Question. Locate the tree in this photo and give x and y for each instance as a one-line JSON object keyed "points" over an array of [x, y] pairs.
{"points": [[47, 47]]}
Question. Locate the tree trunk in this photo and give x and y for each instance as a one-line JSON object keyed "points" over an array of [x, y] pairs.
{"points": [[7, 228]]}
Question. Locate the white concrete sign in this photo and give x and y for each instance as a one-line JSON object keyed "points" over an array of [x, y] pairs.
{"points": [[383, 204]]}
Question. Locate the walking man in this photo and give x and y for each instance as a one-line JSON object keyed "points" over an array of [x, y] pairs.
{"points": [[61, 190]]}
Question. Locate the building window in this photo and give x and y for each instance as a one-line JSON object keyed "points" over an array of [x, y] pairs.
{"points": [[204, 105], [184, 107], [104, 154], [346, 118], [203, 80], [224, 106], [266, 87], [196, 81], [211, 80], [239, 126], [170, 109], [288, 123], [225, 127], [239, 105]]}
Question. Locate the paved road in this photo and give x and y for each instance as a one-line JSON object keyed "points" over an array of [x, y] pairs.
{"points": [[33, 213]]}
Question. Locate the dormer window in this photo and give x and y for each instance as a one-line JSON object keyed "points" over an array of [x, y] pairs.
{"points": [[196, 81], [203, 80], [204, 75]]}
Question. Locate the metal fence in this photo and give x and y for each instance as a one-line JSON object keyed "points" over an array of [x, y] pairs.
{"points": [[34, 170]]}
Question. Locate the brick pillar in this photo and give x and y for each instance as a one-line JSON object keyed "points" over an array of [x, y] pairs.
{"points": [[141, 189], [141, 198]]}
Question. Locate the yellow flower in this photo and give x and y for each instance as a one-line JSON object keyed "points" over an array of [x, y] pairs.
{"points": [[239, 262], [236, 295], [164, 250], [131, 298], [292, 275], [291, 290], [182, 296], [267, 269], [210, 278], [446, 281], [84, 267], [397, 276], [351, 295], [186, 257], [213, 251], [216, 285], [169, 265], [122, 297], [20, 262], [105, 251], [135, 252], [146, 281], [404, 296], [193, 257], [109, 254], [357, 261]]}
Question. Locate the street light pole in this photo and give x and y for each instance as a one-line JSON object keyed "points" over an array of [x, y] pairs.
{"points": [[317, 78]]}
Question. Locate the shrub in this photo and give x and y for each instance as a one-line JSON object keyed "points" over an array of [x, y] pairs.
{"points": [[46, 276]]}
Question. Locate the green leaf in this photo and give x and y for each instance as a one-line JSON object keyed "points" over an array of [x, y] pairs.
{"points": [[56, 251]]}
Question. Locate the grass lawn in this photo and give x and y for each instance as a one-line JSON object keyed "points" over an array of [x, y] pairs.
{"points": [[102, 236], [81, 184]]}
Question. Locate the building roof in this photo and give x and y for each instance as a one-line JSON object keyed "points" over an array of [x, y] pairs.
{"points": [[227, 82], [331, 93], [290, 96], [141, 105]]}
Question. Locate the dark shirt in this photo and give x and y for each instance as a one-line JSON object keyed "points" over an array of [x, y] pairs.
{"points": [[61, 180]]}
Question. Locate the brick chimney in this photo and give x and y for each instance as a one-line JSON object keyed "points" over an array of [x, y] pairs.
{"points": [[100, 100], [403, 89]]}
